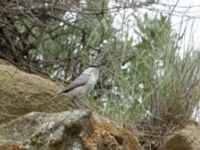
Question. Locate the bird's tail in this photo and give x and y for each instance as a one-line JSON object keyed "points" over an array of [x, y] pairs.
{"points": [[54, 97]]}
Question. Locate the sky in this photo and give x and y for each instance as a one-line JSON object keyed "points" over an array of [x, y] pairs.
{"points": [[185, 18], [188, 13]]}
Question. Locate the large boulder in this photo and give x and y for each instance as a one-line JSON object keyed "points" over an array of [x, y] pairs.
{"points": [[77, 130], [21, 93], [187, 138]]}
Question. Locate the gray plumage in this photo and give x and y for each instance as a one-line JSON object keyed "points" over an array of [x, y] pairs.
{"points": [[83, 84], [79, 81]]}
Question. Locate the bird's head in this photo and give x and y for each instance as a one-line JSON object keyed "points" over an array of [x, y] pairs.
{"points": [[92, 69]]}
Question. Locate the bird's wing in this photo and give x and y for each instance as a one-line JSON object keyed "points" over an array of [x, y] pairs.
{"points": [[80, 81]]}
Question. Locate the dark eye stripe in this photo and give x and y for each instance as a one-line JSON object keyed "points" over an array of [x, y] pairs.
{"points": [[95, 66]]}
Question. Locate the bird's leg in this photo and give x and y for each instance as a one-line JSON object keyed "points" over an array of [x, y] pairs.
{"points": [[73, 101], [80, 102], [85, 105]]}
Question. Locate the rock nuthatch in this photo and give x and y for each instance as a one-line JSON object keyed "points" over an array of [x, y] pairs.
{"points": [[83, 84]]}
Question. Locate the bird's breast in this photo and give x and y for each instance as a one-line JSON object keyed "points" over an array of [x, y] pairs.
{"points": [[92, 82]]}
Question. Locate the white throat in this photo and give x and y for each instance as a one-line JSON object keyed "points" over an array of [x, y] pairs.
{"points": [[93, 73]]}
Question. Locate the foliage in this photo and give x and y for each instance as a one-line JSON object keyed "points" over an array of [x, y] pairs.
{"points": [[170, 83]]}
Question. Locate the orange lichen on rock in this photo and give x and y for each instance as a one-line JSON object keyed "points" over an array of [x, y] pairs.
{"points": [[106, 135], [9, 146]]}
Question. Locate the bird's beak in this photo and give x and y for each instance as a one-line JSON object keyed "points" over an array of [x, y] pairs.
{"points": [[102, 64], [99, 66]]}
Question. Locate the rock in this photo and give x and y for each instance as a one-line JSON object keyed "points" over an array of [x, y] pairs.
{"points": [[186, 139], [109, 136], [70, 130], [21, 93], [29, 120]]}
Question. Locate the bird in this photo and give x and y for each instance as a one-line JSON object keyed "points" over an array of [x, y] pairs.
{"points": [[83, 84]]}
